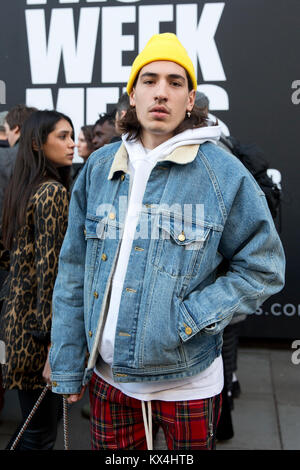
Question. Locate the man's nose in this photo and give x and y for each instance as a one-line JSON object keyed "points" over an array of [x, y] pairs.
{"points": [[161, 93]]}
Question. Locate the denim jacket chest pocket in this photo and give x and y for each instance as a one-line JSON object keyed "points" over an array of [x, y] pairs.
{"points": [[179, 246], [94, 233], [98, 230]]}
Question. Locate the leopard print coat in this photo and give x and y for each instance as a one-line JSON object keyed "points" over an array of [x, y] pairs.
{"points": [[25, 321]]}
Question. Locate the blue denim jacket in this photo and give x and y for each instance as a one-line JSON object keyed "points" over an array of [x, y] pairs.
{"points": [[175, 303]]}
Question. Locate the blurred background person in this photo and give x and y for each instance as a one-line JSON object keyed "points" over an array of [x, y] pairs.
{"points": [[202, 102], [3, 138], [14, 121], [85, 142], [34, 223], [9, 121], [104, 130], [85, 148], [121, 109]]}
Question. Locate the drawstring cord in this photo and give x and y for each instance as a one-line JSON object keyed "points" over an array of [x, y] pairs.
{"points": [[148, 424]]}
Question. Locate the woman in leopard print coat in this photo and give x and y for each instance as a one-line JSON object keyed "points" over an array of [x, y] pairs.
{"points": [[34, 223]]}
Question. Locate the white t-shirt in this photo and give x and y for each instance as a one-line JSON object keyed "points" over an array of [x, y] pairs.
{"points": [[205, 384]]}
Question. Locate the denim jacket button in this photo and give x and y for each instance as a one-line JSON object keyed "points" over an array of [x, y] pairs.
{"points": [[181, 237], [112, 216], [90, 333], [188, 330], [96, 295], [104, 257]]}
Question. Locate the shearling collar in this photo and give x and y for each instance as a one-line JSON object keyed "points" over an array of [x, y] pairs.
{"points": [[181, 156]]}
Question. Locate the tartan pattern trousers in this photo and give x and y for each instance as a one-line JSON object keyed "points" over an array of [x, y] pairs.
{"points": [[117, 422]]}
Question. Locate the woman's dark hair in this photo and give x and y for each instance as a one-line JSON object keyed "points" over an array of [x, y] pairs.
{"points": [[130, 125], [88, 135], [32, 168]]}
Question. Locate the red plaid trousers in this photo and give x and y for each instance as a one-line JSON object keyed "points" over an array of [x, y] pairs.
{"points": [[117, 420]]}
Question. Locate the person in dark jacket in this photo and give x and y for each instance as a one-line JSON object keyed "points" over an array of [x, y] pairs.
{"points": [[11, 124], [3, 139]]}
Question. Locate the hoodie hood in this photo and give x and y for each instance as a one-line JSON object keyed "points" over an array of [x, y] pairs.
{"points": [[199, 135]]}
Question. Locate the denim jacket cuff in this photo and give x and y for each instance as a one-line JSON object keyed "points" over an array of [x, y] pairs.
{"points": [[187, 326], [66, 383]]}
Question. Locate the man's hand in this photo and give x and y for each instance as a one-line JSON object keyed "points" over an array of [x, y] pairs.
{"points": [[47, 376], [76, 396]]}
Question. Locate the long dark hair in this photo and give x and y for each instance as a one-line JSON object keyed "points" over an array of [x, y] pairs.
{"points": [[32, 168]]}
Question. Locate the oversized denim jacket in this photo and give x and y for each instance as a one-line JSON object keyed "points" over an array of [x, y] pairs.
{"points": [[175, 301]]}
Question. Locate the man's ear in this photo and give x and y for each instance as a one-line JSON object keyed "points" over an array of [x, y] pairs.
{"points": [[16, 130], [132, 97], [191, 100]]}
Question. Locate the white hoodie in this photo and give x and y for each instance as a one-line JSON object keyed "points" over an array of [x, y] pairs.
{"points": [[141, 163], [209, 382]]}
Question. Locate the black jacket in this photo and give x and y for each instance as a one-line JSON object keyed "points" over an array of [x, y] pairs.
{"points": [[7, 162]]}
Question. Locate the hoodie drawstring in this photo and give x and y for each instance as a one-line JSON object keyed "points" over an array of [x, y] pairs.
{"points": [[148, 424]]}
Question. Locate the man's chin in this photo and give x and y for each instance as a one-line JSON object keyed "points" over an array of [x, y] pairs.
{"points": [[160, 129]]}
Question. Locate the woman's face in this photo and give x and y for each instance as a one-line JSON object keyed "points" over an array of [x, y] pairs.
{"points": [[59, 146], [82, 146]]}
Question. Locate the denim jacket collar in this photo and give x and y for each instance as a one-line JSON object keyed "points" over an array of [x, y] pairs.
{"points": [[181, 156]]}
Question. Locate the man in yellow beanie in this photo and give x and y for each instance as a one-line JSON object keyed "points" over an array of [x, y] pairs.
{"points": [[139, 284]]}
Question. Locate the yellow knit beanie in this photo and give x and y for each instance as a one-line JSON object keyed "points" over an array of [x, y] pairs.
{"points": [[164, 46]]}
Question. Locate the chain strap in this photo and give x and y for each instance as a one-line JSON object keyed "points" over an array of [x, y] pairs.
{"points": [[33, 411], [66, 423]]}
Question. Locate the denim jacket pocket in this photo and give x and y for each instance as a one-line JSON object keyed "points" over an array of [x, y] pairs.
{"points": [[101, 234], [179, 246], [94, 233], [94, 227]]}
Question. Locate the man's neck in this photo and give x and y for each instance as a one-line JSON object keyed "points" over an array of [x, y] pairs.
{"points": [[151, 141]]}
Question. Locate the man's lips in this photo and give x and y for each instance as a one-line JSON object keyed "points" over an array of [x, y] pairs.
{"points": [[159, 111]]}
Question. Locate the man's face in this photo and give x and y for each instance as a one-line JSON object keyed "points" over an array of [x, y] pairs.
{"points": [[12, 135], [102, 134], [161, 98]]}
